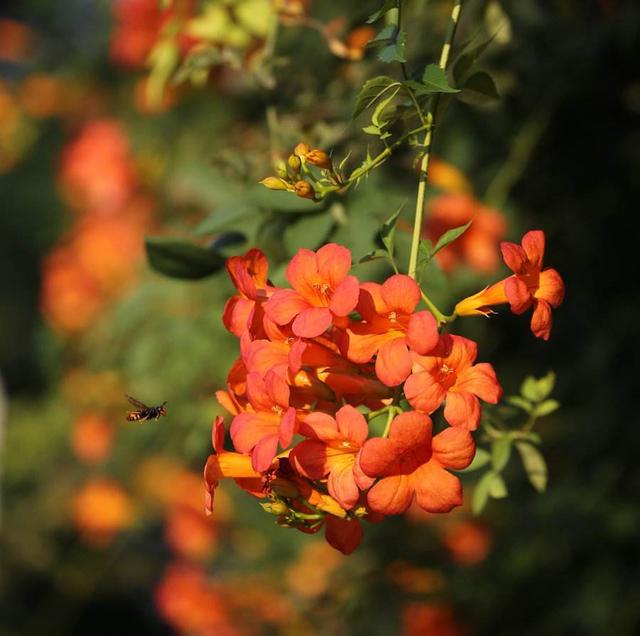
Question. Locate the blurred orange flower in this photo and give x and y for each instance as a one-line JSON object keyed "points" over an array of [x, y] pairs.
{"points": [[100, 509], [92, 437], [468, 541], [429, 619], [16, 39], [190, 533]]}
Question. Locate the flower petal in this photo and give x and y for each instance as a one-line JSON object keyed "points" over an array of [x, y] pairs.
{"points": [[288, 427], [284, 306], [541, 320], [462, 409], [277, 389], [436, 489], [237, 315], [518, 294], [302, 273], [334, 263], [480, 380], [258, 393], [345, 535], [352, 425], [391, 495], [217, 434], [248, 429], [400, 293], [422, 332], [345, 296], [309, 459], [423, 392], [550, 287], [319, 425], [514, 257], [342, 483], [264, 453], [312, 322], [393, 363], [533, 245], [454, 448]]}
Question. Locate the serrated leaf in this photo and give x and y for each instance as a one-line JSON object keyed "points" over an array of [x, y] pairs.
{"points": [[309, 232], [479, 90], [388, 231], [534, 464], [547, 407], [481, 458], [500, 452], [481, 493], [497, 486], [226, 217], [179, 259], [386, 7], [435, 80], [371, 92], [394, 51], [449, 237], [521, 403]]}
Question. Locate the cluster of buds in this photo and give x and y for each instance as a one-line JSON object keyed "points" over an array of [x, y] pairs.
{"points": [[336, 383], [308, 172]]}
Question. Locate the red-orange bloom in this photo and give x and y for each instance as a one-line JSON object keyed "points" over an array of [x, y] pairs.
{"points": [[452, 376], [226, 464], [412, 463], [531, 285], [390, 328], [270, 421], [333, 451], [249, 274], [322, 289]]}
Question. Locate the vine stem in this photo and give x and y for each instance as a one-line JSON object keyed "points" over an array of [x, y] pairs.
{"points": [[428, 137]]}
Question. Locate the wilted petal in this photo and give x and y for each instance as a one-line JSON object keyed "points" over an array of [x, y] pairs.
{"points": [[541, 320], [462, 409], [436, 489]]}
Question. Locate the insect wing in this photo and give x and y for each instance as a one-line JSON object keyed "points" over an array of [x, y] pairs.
{"points": [[137, 403]]}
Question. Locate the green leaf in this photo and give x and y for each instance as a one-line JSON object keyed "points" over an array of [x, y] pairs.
{"points": [[546, 385], [373, 256], [372, 91], [500, 452], [386, 7], [386, 35], [481, 493], [179, 259], [449, 237], [378, 117], [229, 216], [521, 403], [479, 90], [497, 486], [547, 407], [394, 51], [308, 232], [434, 80], [388, 231], [465, 61], [280, 201], [482, 458], [534, 465]]}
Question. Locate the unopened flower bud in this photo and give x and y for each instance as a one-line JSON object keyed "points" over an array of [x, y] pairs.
{"points": [[304, 189], [276, 507], [294, 163], [274, 183], [319, 158], [281, 168], [301, 150]]}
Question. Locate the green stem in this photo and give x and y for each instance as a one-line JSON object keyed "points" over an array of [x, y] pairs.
{"points": [[424, 164]]}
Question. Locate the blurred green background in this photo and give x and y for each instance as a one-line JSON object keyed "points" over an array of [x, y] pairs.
{"points": [[101, 524]]}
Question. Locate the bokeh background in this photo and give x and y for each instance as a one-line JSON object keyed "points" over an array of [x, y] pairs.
{"points": [[110, 132]]}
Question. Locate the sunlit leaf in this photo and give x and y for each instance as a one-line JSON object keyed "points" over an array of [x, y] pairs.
{"points": [[497, 487], [500, 452], [449, 237], [534, 465], [372, 90], [388, 231], [547, 407]]}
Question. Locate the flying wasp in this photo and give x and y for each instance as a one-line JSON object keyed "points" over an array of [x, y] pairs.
{"points": [[144, 412]]}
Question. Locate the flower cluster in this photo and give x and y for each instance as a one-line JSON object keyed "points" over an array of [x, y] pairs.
{"points": [[321, 364]]}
